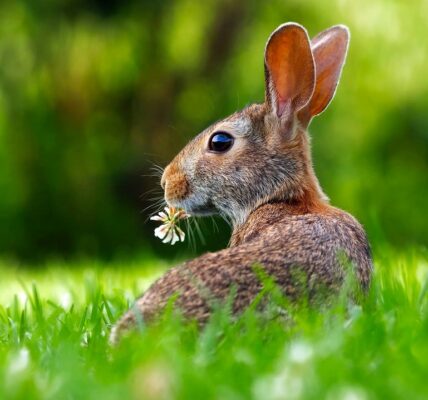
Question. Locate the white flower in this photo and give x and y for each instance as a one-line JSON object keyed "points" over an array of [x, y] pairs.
{"points": [[169, 231]]}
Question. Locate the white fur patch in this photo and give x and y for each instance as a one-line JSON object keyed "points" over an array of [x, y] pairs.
{"points": [[239, 126]]}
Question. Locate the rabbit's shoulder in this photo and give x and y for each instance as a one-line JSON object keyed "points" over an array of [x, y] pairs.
{"points": [[283, 221]]}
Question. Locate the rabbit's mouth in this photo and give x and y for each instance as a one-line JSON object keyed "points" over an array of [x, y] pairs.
{"points": [[201, 210], [196, 207]]}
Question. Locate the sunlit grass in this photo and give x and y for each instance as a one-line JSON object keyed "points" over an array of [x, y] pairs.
{"points": [[54, 340]]}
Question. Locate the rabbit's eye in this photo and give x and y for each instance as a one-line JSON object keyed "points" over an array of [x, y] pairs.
{"points": [[220, 142]]}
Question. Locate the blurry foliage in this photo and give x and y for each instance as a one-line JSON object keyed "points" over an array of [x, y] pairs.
{"points": [[93, 92]]}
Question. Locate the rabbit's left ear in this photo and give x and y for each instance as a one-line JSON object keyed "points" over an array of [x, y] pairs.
{"points": [[289, 70], [329, 49]]}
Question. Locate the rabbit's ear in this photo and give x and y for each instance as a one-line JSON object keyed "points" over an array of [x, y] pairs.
{"points": [[329, 49], [289, 69]]}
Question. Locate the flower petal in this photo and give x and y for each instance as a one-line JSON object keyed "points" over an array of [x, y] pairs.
{"points": [[175, 237], [168, 236], [162, 231], [181, 214], [169, 211]]}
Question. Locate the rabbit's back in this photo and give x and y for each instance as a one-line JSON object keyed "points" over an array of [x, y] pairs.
{"points": [[298, 251], [319, 238]]}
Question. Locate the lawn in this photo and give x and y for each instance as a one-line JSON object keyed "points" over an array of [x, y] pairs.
{"points": [[55, 321]]}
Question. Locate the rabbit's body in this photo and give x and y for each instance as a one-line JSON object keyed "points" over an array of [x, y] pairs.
{"points": [[279, 239], [255, 168]]}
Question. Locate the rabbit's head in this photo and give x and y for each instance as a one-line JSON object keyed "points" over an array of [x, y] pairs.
{"points": [[262, 153]]}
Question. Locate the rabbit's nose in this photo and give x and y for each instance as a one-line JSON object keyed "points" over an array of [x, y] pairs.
{"points": [[174, 183]]}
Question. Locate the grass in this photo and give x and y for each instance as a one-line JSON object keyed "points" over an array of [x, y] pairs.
{"points": [[54, 326]]}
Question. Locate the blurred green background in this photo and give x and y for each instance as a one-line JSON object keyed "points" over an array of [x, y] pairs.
{"points": [[93, 92]]}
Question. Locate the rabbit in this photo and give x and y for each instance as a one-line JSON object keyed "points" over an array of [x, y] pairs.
{"points": [[255, 169]]}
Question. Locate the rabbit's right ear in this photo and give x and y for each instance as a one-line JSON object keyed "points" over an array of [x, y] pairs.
{"points": [[289, 70]]}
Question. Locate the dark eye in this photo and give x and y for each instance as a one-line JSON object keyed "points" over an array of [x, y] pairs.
{"points": [[220, 142]]}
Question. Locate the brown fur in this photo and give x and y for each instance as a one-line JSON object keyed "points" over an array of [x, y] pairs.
{"points": [[176, 187], [265, 184]]}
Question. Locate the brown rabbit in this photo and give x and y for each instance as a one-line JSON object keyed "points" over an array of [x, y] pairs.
{"points": [[255, 168]]}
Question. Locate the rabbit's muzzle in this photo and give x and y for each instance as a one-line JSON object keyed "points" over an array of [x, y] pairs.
{"points": [[175, 184]]}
